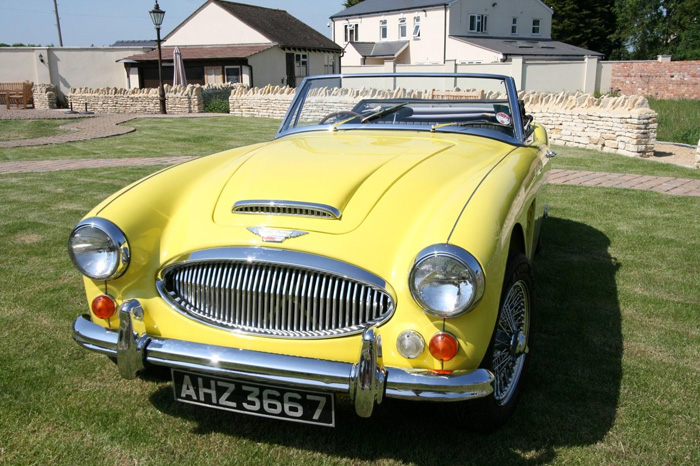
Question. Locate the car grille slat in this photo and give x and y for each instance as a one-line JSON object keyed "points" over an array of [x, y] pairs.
{"points": [[274, 299]]}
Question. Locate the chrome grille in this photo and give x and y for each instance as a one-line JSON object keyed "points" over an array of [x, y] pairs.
{"points": [[293, 208], [274, 299]]}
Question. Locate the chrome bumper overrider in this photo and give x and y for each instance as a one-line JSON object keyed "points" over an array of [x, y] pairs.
{"points": [[367, 381]]}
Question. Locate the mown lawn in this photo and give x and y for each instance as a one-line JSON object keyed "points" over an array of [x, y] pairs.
{"points": [[613, 380], [158, 137], [11, 130]]}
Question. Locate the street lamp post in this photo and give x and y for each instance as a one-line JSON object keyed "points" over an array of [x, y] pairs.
{"points": [[157, 17]]}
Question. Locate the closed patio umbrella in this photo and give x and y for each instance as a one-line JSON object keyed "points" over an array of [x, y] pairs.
{"points": [[179, 71]]}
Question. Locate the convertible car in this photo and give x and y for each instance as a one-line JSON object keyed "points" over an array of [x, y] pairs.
{"points": [[379, 247]]}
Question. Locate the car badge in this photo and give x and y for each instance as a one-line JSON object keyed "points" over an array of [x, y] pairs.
{"points": [[273, 235]]}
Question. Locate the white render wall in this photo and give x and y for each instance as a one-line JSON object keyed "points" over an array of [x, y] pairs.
{"points": [[434, 46], [67, 67], [500, 17], [214, 26], [429, 48], [544, 76]]}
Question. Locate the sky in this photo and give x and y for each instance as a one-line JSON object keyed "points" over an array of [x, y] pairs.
{"points": [[98, 23]]}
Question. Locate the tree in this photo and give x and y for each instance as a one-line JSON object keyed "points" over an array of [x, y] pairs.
{"points": [[648, 28], [349, 3], [589, 24]]}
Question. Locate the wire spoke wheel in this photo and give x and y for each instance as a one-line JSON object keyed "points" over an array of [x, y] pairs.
{"points": [[510, 344]]}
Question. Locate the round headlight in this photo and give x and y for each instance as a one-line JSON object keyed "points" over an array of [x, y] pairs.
{"points": [[99, 249], [446, 280]]}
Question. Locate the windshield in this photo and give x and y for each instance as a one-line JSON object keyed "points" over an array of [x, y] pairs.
{"points": [[435, 103]]}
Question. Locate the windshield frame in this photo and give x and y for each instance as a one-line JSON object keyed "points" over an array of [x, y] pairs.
{"points": [[293, 112]]}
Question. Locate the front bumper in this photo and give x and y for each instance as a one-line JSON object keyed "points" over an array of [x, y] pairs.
{"points": [[366, 382]]}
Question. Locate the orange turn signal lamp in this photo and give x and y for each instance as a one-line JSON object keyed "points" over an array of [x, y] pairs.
{"points": [[104, 306], [443, 346]]}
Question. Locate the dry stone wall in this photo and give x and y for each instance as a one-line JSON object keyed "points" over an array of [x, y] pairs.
{"points": [[179, 99], [624, 125], [44, 96]]}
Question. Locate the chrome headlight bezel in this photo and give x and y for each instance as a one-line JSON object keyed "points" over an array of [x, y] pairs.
{"points": [[471, 267], [119, 248]]}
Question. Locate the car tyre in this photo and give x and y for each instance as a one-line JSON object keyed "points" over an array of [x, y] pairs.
{"points": [[508, 354]]}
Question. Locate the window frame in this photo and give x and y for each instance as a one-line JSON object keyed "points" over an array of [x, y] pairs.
{"points": [[239, 72], [538, 26], [351, 29], [301, 63], [480, 23], [383, 29], [514, 25], [403, 28], [416, 27]]}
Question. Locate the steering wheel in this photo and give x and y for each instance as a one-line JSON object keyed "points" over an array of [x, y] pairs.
{"points": [[337, 114]]}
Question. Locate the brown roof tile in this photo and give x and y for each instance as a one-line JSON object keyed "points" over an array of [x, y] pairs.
{"points": [[195, 53], [279, 26]]}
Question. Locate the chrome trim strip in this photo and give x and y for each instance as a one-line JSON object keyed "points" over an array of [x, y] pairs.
{"points": [[269, 207], [292, 371], [306, 289]]}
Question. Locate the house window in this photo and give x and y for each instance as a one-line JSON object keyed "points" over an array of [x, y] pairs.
{"points": [[416, 27], [232, 74], [514, 26], [402, 28], [351, 33], [329, 64], [301, 64], [477, 23], [382, 30], [536, 27]]}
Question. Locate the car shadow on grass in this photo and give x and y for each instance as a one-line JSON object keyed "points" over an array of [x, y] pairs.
{"points": [[570, 399]]}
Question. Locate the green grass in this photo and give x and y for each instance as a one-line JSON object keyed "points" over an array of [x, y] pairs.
{"points": [[679, 120], [573, 158], [156, 137], [613, 380], [11, 130]]}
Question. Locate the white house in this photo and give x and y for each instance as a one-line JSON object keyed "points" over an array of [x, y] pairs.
{"points": [[433, 31], [234, 42]]}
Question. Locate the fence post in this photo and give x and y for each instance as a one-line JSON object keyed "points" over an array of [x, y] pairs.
{"points": [[517, 71], [590, 74]]}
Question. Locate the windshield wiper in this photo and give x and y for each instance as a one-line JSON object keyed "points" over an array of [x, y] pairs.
{"points": [[384, 112], [469, 123]]}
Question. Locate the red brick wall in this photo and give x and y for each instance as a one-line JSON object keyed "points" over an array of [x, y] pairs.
{"points": [[663, 80]]}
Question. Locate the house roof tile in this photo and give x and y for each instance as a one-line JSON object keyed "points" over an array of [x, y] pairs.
{"points": [[199, 53], [279, 26], [528, 47], [382, 6]]}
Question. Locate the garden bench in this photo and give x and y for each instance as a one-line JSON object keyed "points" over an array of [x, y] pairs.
{"points": [[18, 93], [456, 95]]}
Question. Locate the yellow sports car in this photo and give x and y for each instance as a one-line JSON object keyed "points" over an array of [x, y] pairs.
{"points": [[379, 247]]}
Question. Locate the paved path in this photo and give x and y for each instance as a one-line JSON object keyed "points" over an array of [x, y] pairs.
{"points": [[661, 184]]}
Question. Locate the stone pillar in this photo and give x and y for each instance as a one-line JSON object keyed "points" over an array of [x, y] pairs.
{"points": [[590, 74]]}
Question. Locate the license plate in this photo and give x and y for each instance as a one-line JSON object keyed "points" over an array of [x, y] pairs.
{"points": [[257, 399]]}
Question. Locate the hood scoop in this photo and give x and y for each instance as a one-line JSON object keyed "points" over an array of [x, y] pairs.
{"points": [[288, 208]]}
